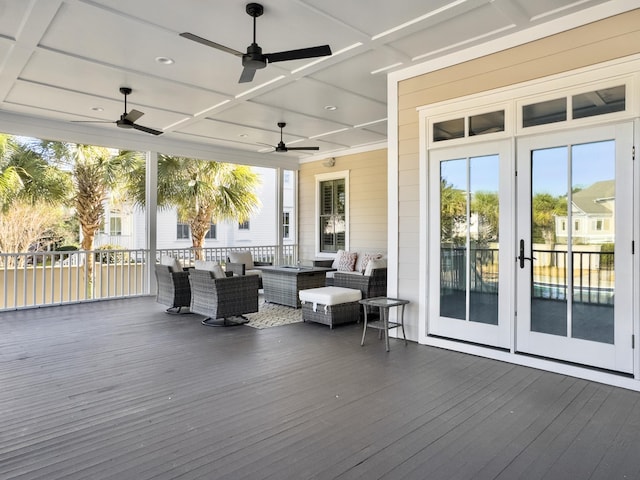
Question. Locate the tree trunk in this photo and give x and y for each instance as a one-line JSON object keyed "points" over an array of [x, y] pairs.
{"points": [[199, 228]]}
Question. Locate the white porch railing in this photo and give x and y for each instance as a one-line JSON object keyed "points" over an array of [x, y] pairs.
{"points": [[36, 279]]}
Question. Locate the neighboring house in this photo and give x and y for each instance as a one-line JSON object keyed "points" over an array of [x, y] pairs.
{"points": [[124, 226], [592, 215]]}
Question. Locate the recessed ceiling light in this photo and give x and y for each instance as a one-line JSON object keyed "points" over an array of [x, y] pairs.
{"points": [[164, 60], [97, 109], [330, 107]]}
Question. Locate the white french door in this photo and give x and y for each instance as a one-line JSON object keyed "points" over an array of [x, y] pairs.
{"points": [[470, 238], [573, 250]]}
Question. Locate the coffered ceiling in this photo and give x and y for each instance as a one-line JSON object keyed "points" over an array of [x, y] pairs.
{"points": [[64, 60]]}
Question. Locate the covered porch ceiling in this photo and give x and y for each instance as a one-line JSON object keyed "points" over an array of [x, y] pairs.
{"points": [[65, 60]]}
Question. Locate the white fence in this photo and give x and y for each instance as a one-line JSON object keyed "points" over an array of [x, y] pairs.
{"points": [[36, 279]]}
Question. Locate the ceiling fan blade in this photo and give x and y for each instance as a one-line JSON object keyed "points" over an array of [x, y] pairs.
{"points": [[247, 75], [147, 129], [310, 52], [303, 148], [133, 115], [209, 43], [92, 121]]}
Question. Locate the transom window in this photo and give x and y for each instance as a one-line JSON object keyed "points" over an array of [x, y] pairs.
{"points": [[573, 107], [480, 124]]}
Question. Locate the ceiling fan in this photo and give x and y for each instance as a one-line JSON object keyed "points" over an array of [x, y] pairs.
{"points": [[254, 59], [281, 147], [127, 120]]}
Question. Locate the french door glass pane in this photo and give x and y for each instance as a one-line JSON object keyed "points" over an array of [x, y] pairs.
{"points": [[484, 239], [549, 229], [453, 239], [469, 237], [592, 242], [572, 212]]}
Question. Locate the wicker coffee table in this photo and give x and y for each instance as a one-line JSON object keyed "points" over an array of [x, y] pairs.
{"points": [[282, 284]]}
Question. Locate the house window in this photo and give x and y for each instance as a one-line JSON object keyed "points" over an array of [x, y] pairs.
{"points": [[115, 226], [285, 224], [243, 225], [598, 225], [212, 234], [332, 211], [183, 231], [576, 225]]}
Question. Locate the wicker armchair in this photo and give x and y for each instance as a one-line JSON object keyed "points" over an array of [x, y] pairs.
{"points": [[241, 263], [223, 300], [174, 289]]}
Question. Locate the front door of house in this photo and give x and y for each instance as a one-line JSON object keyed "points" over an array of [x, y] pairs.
{"points": [[574, 246]]}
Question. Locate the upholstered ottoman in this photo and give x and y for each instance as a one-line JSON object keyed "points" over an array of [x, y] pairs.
{"points": [[330, 305]]}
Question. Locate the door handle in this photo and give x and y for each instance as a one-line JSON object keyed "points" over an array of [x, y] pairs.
{"points": [[521, 257]]}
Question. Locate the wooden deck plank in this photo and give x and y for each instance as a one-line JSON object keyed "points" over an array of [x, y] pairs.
{"points": [[120, 389]]}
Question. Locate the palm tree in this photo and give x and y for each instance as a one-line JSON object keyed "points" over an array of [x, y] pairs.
{"points": [[32, 193], [202, 192], [96, 172]]}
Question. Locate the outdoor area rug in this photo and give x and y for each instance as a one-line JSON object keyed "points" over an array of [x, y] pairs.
{"points": [[273, 315]]}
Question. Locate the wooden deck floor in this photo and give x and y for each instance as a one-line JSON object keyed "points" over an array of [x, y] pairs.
{"points": [[122, 390]]}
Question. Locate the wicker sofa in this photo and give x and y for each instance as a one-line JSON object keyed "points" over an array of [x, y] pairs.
{"points": [[223, 300], [357, 272], [373, 285], [367, 273]]}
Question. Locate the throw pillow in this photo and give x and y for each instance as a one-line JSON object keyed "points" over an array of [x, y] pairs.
{"points": [[347, 261], [169, 261], [366, 257], [241, 257], [373, 264], [336, 260]]}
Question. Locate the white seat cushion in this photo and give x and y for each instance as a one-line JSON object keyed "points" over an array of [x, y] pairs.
{"points": [[330, 295]]}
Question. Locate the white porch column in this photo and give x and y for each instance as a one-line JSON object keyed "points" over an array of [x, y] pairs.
{"points": [[151, 214]]}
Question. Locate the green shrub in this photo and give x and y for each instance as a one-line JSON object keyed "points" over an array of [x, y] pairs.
{"points": [[607, 256], [102, 254]]}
